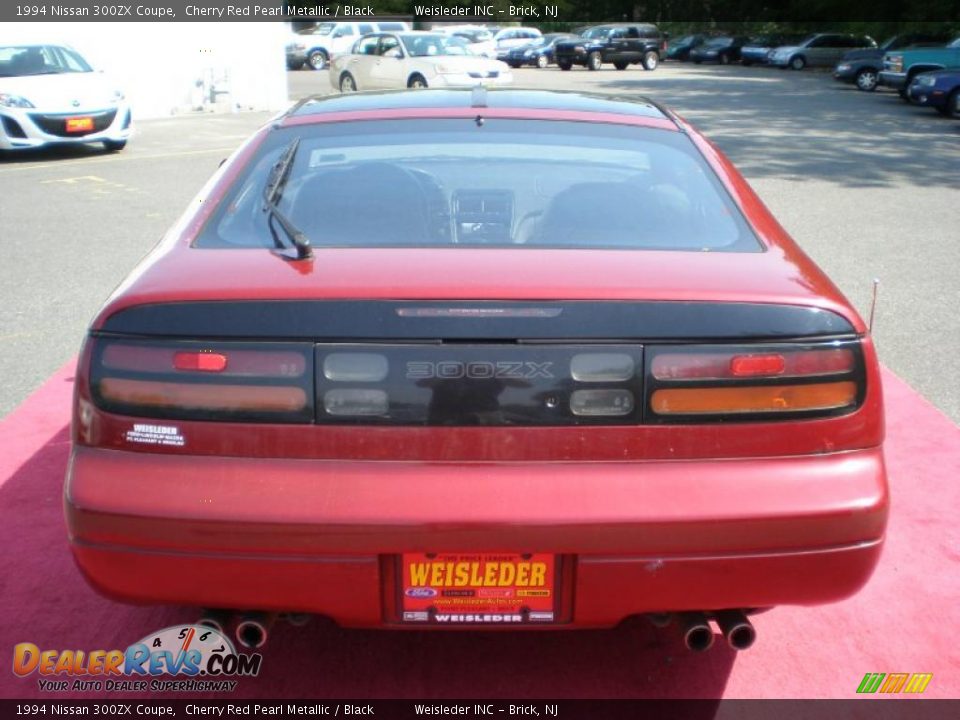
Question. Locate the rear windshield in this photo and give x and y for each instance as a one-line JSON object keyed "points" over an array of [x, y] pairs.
{"points": [[462, 183]]}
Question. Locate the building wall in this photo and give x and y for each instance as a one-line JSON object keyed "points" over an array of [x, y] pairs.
{"points": [[179, 67]]}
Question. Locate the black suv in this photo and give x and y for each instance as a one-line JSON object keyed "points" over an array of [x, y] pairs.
{"points": [[622, 44]]}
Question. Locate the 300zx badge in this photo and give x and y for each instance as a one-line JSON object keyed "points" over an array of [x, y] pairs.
{"points": [[478, 370]]}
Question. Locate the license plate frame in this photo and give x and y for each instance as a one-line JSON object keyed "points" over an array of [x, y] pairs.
{"points": [[533, 598]]}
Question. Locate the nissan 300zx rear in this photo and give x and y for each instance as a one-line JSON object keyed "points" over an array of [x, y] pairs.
{"points": [[452, 359]]}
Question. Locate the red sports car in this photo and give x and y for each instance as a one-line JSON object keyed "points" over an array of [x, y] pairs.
{"points": [[459, 359]]}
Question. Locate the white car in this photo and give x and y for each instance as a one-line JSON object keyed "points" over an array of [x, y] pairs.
{"points": [[414, 60], [512, 37], [329, 39], [479, 40], [50, 95]]}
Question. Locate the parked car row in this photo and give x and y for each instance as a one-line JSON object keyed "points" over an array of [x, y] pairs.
{"points": [[862, 67], [925, 75]]}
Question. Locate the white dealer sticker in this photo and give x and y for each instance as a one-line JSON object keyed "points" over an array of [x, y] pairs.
{"points": [[155, 435]]}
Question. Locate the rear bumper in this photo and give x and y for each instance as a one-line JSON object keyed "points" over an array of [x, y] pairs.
{"points": [[320, 536]]}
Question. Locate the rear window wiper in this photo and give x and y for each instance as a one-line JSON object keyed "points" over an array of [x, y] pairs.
{"points": [[271, 197]]}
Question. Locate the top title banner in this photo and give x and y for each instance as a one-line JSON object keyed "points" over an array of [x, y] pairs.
{"points": [[757, 13], [181, 10]]}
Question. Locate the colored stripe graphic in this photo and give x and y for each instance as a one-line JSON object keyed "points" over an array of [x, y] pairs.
{"points": [[895, 682], [870, 682], [918, 682]]}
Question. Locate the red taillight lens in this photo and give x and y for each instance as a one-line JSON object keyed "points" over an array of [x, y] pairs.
{"points": [[200, 361], [754, 365], [733, 382], [707, 364], [228, 360], [270, 382]]}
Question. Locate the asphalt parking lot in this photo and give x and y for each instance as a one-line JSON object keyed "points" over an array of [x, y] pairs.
{"points": [[868, 186]]}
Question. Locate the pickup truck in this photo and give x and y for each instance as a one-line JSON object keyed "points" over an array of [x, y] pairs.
{"points": [[899, 67], [622, 44]]}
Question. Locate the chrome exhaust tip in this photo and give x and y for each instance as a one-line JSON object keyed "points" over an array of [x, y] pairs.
{"points": [[214, 619], [253, 629], [737, 629], [696, 631]]}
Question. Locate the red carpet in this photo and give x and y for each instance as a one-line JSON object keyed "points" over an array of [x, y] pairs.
{"points": [[904, 621]]}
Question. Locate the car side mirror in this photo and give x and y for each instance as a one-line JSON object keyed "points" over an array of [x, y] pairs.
{"points": [[395, 53]]}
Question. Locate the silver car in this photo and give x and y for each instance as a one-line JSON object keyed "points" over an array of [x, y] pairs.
{"points": [[823, 49]]}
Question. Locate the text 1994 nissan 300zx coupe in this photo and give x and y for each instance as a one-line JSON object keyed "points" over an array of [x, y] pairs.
{"points": [[457, 359]]}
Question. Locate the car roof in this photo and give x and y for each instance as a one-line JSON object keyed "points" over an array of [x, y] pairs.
{"points": [[463, 98]]}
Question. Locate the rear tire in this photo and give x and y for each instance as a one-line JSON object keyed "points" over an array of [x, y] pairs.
{"points": [[866, 80], [114, 145], [317, 60], [564, 65], [621, 65], [594, 61], [651, 60], [798, 62], [347, 83], [542, 61], [417, 82], [724, 59]]}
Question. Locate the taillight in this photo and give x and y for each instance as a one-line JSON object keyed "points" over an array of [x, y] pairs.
{"points": [[702, 383], [269, 382]]}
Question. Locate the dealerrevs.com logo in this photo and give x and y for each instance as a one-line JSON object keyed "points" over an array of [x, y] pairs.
{"points": [[199, 658]]}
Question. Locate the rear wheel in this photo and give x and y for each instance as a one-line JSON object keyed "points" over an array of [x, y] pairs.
{"points": [[798, 62], [651, 60], [417, 82], [317, 59], [564, 64], [347, 83], [294, 65], [594, 61], [114, 145], [620, 65], [724, 59], [867, 79], [542, 61]]}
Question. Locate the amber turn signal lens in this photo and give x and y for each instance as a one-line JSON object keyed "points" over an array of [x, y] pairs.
{"points": [[231, 398], [773, 398]]}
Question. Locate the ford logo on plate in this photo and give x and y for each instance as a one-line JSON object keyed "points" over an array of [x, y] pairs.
{"points": [[421, 592]]}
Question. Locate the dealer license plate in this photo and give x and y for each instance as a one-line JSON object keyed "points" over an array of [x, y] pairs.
{"points": [[478, 588], [79, 124]]}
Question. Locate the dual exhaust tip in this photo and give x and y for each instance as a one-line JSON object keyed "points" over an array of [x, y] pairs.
{"points": [[698, 635], [251, 631], [253, 628]]}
